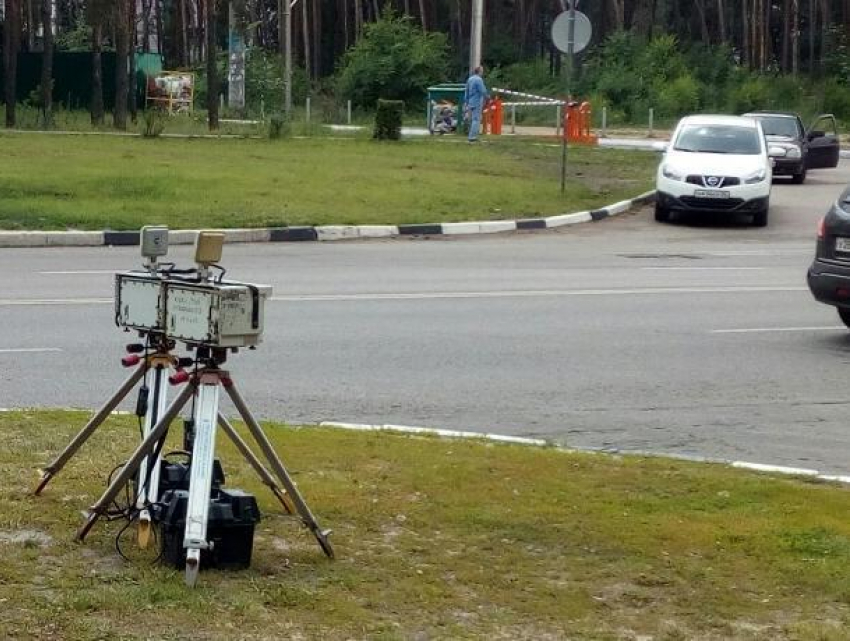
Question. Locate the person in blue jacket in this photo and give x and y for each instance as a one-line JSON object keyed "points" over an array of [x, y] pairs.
{"points": [[473, 98]]}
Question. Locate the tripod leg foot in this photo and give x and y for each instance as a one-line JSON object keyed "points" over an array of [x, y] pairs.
{"points": [[91, 519], [324, 543], [144, 534], [193, 566], [45, 479]]}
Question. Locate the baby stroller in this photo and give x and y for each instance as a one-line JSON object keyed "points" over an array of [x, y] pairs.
{"points": [[444, 118]]}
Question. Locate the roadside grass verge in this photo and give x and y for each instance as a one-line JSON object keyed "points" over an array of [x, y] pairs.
{"points": [[106, 182], [435, 539]]}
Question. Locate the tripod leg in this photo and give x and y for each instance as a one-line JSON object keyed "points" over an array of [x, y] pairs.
{"points": [[278, 468], [79, 440], [132, 465], [149, 470], [200, 475], [262, 472]]}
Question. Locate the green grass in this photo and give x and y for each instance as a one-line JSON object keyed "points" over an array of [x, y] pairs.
{"points": [[436, 539], [106, 182]]}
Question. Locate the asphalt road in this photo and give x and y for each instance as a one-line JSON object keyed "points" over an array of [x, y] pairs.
{"points": [[690, 338]]}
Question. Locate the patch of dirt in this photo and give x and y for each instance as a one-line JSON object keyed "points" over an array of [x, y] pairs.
{"points": [[27, 538]]}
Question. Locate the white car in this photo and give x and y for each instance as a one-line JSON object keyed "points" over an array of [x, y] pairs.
{"points": [[715, 164]]}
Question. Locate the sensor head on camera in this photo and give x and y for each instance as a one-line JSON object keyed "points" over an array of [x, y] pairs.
{"points": [[154, 241], [208, 248]]}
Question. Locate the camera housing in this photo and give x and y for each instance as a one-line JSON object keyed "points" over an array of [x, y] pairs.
{"points": [[213, 313]]}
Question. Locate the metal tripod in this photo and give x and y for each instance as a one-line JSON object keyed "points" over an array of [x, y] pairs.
{"points": [[152, 368], [207, 382]]}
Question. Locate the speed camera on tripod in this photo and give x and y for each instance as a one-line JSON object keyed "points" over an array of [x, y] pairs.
{"points": [[190, 305]]}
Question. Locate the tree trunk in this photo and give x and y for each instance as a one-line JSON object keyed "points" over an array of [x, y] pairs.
{"points": [[812, 22], [721, 21], [305, 35], [30, 26], [745, 34], [422, 15], [11, 35], [703, 25], [212, 70], [96, 74], [47, 63], [122, 51], [786, 35], [317, 39], [131, 60], [795, 36]]}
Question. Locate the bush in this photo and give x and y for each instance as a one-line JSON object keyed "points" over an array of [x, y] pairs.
{"points": [[394, 59], [752, 94], [279, 127], [836, 99], [679, 97], [153, 123], [388, 120]]}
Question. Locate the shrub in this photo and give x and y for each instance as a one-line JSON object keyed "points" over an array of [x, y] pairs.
{"points": [[279, 126], [153, 123], [679, 97], [836, 99], [388, 120], [752, 94]]}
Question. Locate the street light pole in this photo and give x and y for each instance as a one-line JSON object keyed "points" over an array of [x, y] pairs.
{"points": [[285, 37], [475, 36]]}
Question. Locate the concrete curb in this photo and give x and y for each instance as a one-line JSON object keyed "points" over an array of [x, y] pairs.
{"points": [[537, 442], [319, 233]]}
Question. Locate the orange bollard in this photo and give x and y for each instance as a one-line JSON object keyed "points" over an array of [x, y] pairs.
{"points": [[497, 117]]}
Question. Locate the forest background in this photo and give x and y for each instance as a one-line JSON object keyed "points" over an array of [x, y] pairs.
{"points": [[674, 56]]}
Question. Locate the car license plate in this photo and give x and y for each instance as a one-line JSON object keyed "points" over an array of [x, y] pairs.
{"points": [[842, 245], [711, 193]]}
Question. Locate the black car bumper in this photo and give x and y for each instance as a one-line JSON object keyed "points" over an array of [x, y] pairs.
{"points": [[692, 203], [788, 167], [830, 283]]}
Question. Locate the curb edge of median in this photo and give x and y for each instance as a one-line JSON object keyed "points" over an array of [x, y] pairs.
{"points": [[109, 238]]}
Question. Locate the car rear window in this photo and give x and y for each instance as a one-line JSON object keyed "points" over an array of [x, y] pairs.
{"points": [[718, 139], [779, 126]]}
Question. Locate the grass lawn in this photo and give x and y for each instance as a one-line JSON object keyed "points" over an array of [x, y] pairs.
{"points": [[436, 539], [106, 182]]}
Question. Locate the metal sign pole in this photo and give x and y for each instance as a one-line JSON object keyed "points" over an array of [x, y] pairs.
{"points": [[571, 32]]}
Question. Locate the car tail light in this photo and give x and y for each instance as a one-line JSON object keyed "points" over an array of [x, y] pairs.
{"points": [[822, 228], [842, 292]]}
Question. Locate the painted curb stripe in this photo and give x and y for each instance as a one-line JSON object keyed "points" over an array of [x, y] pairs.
{"points": [[531, 223], [424, 230], [121, 238], [598, 214], [286, 234]]}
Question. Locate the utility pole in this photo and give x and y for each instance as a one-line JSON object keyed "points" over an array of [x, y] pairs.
{"points": [[285, 37], [475, 37]]}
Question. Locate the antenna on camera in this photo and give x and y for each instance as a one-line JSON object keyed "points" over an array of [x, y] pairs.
{"points": [[208, 248], [154, 243]]}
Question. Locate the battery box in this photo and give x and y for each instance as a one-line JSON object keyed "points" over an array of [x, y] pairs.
{"points": [[233, 515]]}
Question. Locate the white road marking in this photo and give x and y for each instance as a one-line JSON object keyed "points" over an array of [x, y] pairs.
{"points": [[34, 302], [539, 293], [695, 269], [454, 295], [84, 272], [755, 330], [29, 350]]}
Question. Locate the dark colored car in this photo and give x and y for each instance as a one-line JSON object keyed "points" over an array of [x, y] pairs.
{"points": [[829, 275], [813, 148]]}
